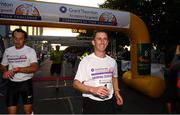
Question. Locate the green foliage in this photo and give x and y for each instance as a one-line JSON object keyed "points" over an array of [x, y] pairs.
{"points": [[162, 17]]}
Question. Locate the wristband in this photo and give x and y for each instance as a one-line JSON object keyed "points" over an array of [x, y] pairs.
{"points": [[117, 90]]}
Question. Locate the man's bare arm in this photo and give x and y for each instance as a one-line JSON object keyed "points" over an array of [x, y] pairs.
{"points": [[3, 68], [29, 69]]}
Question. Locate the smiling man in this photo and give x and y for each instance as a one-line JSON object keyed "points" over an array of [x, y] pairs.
{"points": [[97, 78]]}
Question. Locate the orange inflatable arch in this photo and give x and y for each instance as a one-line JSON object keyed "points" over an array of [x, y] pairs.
{"points": [[42, 14]]}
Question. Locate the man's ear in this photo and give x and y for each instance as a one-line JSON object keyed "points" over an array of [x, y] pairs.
{"points": [[93, 42]]}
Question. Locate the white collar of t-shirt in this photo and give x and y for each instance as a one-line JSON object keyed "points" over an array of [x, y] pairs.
{"points": [[20, 49], [99, 58]]}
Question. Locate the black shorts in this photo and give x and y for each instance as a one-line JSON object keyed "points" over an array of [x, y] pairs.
{"points": [[171, 94], [19, 89], [98, 107], [55, 68]]}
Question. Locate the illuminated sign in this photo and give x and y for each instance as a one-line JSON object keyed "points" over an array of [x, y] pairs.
{"points": [[78, 31]]}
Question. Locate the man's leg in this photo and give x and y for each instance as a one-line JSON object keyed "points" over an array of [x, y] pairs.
{"points": [[52, 69], [27, 96], [171, 93], [28, 108], [58, 73], [12, 110], [169, 107], [57, 83], [12, 97]]}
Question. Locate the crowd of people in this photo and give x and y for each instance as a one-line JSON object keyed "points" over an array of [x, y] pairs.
{"points": [[96, 73]]}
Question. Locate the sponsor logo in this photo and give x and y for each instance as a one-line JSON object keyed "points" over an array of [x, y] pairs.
{"points": [[23, 57], [63, 9], [27, 9], [108, 17]]}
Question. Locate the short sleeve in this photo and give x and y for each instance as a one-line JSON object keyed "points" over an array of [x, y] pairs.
{"points": [[33, 56], [4, 60], [115, 72], [81, 72]]}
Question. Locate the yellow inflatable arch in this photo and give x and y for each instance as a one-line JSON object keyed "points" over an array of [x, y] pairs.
{"points": [[42, 14]]}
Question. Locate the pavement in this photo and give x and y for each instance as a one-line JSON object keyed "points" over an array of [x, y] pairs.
{"points": [[66, 100]]}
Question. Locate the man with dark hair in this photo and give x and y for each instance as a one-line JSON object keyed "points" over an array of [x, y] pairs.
{"points": [[97, 79], [18, 65]]}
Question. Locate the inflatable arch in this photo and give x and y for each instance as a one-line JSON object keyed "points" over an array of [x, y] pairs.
{"points": [[29, 13]]}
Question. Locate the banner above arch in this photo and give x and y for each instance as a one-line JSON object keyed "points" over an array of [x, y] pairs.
{"points": [[62, 13]]}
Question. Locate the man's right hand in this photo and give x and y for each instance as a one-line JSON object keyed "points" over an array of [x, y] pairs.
{"points": [[100, 91], [8, 74]]}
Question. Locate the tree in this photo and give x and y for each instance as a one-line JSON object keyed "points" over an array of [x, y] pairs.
{"points": [[161, 17]]}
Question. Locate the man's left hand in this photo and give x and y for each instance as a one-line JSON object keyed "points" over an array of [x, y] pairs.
{"points": [[119, 100]]}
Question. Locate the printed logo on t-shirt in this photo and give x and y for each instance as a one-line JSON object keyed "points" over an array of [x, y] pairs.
{"points": [[98, 73], [16, 58], [92, 70]]}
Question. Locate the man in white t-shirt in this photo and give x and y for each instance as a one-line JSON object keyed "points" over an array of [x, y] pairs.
{"points": [[18, 65], [97, 78]]}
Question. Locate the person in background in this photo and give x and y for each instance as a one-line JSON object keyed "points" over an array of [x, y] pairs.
{"points": [[97, 78], [56, 57], [18, 65], [173, 83], [126, 55], [2, 81], [2, 48]]}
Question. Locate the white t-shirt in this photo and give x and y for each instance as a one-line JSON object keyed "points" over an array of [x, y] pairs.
{"points": [[19, 58], [96, 71]]}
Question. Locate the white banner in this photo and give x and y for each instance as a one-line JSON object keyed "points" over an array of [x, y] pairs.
{"points": [[62, 13]]}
